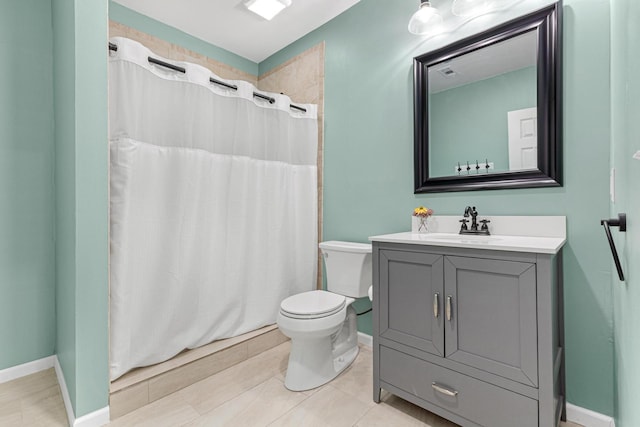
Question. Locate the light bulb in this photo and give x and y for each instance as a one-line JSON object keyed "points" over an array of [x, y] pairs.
{"points": [[425, 20]]}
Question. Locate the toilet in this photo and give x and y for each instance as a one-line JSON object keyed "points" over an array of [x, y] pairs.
{"points": [[322, 324]]}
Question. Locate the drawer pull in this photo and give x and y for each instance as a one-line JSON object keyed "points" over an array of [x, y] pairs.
{"points": [[444, 390], [436, 305], [449, 298]]}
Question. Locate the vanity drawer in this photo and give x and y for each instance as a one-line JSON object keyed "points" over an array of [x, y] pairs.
{"points": [[482, 403]]}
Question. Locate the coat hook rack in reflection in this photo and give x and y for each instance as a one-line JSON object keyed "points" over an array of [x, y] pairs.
{"points": [[474, 167], [620, 222]]}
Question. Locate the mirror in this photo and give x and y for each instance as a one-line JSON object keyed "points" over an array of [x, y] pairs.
{"points": [[487, 109]]}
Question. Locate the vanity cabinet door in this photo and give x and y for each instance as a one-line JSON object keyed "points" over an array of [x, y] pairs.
{"points": [[493, 316], [411, 302]]}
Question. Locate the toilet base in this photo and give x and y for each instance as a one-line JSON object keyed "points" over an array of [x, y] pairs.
{"points": [[312, 363], [320, 348]]}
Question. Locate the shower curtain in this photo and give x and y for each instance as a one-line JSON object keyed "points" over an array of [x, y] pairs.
{"points": [[213, 207]]}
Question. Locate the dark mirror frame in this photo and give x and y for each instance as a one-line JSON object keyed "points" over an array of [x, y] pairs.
{"points": [[547, 22]]}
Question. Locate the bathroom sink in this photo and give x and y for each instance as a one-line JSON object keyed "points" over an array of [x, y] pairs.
{"points": [[473, 238]]}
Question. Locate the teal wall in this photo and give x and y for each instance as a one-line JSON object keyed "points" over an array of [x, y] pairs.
{"points": [[53, 182], [368, 180], [460, 131], [625, 105], [92, 224], [368, 173], [80, 86], [64, 89], [130, 18], [27, 287]]}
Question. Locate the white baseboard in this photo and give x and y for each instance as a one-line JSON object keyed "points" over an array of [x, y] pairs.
{"points": [[92, 419], [588, 418], [65, 393], [10, 374], [365, 339]]}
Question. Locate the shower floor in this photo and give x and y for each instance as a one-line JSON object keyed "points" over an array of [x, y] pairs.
{"points": [[142, 386]]}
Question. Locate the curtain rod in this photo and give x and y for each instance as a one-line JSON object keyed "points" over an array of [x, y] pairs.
{"points": [[152, 60]]}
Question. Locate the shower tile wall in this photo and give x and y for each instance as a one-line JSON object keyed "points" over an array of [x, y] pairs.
{"points": [[302, 79]]}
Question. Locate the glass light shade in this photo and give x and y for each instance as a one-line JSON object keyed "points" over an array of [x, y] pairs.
{"points": [[267, 8], [469, 8], [425, 20]]}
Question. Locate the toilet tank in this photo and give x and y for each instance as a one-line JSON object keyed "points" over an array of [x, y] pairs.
{"points": [[348, 267]]}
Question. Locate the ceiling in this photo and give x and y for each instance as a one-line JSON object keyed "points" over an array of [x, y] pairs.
{"points": [[230, 25]]}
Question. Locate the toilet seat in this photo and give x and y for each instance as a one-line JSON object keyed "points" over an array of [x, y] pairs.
{"points": [[312, 305]]}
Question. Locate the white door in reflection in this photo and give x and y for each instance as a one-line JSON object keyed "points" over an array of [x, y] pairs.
{"points": [[523, 139]]}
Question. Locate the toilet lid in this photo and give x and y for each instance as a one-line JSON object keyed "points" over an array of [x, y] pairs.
{"points": [[313, 303]]}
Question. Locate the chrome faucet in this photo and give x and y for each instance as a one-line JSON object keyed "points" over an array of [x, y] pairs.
{"points": [[470, 211]]}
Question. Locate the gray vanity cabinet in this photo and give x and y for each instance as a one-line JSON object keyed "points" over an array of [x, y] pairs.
{"points": [[472, 335], [412, 280], [493, 316]]}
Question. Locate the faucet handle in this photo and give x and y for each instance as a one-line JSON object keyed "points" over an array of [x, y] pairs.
{"points": [[484, 224], [464, 222]]}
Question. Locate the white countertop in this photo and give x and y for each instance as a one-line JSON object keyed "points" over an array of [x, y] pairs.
{"points": [[540, 245], [544, 234]]}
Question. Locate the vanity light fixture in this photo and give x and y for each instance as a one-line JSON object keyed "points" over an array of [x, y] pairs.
{"points": [[470, 8], [425, 20], [267, 8]]}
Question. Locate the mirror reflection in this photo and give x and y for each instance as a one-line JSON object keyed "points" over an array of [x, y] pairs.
{"points": [[483, 110]]}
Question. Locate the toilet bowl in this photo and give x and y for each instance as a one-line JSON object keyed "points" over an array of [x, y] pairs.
{"points": [[322, 324]]}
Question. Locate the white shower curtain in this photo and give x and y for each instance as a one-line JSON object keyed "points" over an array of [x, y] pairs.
{"points": [[213, 207]]}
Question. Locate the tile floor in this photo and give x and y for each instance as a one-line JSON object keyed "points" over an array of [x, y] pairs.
{"points": [[145, 385], [250, 394], [34, 400]]}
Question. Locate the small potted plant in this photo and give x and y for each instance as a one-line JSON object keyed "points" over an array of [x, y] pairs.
{"points": [[421, 215]]}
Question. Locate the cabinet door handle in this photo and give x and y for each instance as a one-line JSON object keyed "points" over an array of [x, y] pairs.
{"points": [[444, 390], [449, 298], [436, 305]]}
